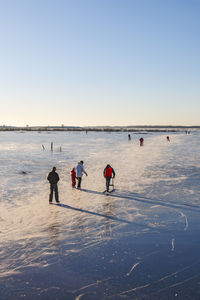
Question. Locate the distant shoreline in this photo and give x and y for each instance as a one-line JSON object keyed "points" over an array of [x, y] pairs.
{"points": [[103, 128]]}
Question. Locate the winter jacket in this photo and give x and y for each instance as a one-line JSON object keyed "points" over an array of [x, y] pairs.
{"points": [[73, 173], [108, 172], [53, 177], [80, 170]]}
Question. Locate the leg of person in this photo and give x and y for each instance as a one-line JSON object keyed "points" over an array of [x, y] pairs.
{"points": [[51, 193], [73, 182], [107, 183], [79, 182], [56, 192]]}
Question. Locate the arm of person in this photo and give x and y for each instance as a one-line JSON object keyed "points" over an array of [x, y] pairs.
{"points": [[113, 172], [83, 170], [58, 178]]}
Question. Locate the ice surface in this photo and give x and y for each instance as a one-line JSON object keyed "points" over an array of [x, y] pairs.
{"points": [[140, 241]]}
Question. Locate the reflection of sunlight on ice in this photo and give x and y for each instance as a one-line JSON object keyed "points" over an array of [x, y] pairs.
{"points": [[34, 232]]}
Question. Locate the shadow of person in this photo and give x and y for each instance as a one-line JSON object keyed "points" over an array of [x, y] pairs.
{"points": [[100, 215], [139, 198]]}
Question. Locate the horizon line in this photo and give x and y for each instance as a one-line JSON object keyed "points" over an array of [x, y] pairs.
{"points": [[100, 126]]}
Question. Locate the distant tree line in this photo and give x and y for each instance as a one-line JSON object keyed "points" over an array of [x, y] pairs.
{"points": [[102, 129]]}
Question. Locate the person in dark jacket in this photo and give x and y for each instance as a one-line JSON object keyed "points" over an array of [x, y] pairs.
{"points": [[53, 179], [108, 173]]}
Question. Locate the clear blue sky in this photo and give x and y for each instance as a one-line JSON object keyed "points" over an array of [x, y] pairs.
{"points": [[105, 62]]}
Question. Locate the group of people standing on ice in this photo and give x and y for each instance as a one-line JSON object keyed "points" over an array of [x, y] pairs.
{"points": [[76, 174], [142, 140]]}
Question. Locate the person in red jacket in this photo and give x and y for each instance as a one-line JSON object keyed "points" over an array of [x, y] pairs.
{"points": [[73, 177], [108, 174], [141, 141]]}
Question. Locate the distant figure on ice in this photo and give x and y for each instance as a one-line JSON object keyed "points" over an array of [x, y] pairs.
{"points": [[129, 137], [73, 177], [141, 141], [168, 139], [79, 173], [108, 173], [53, 179]]}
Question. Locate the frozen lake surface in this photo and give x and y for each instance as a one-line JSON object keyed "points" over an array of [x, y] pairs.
{"points": [[140, 242]]}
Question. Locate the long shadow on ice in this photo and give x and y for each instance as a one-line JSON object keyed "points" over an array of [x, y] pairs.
{"points": [[136, 197], [98, 214]]}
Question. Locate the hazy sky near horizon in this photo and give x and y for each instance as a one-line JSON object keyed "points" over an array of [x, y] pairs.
{"points": [[100, 62]]}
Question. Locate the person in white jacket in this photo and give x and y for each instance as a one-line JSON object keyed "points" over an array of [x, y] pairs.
{"points": [[79, 173]]}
